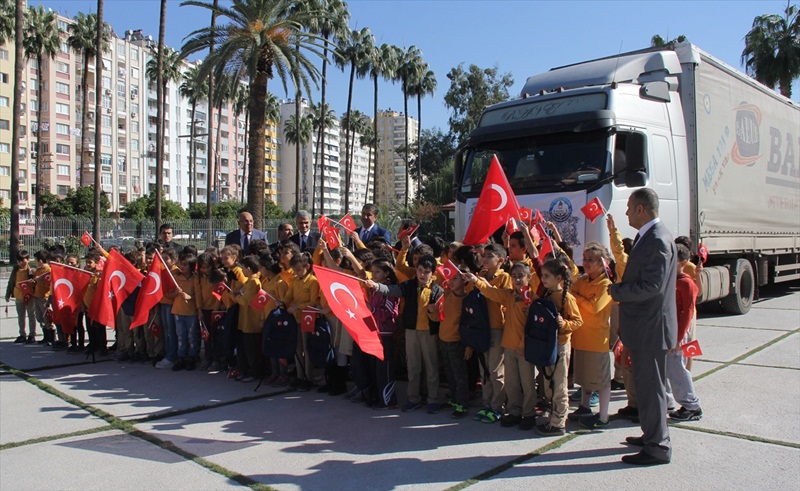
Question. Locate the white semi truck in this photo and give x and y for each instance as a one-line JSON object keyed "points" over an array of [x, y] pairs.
{"points": [[721, 150]]}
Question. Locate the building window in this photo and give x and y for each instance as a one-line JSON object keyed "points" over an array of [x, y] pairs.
{"points": [[62, 88], [105, 179], [134, 125], [62, 67], [3, 101], [135, 163], [63, 170], [4, 78], [5, 148], [135, 54], [105, 160], [62, 25], [5, 171], [105, 120], [122, 165], [135, 145], [5, 194], [107, 82], [135, 73], [62, 149], [62, 190], [62, 129], [62, 109], [105, 140], [3, 54], [4, 124]]}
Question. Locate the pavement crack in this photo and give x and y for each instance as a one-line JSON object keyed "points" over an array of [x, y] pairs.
{"points": [[746, 355]]}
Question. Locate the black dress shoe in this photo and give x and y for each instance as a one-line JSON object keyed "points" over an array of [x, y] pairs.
{"points": [[643, 459], [635, 440]]}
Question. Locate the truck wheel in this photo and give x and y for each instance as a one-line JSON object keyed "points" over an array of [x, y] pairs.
{"points": [[741, 297]]}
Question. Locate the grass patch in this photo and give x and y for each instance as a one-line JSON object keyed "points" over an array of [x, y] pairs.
{"points": [[51, 438]]}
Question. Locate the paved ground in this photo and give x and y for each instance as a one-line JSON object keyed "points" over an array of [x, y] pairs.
{"points": [[69, 424]]}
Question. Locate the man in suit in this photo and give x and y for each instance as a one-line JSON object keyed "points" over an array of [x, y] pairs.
{"points": [[304, 238], [648, 323], [245, 234], [165, 238], [285, 231], [369, 229]]}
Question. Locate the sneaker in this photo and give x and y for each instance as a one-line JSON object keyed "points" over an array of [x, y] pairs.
{"points": [[594, 399], [180, 364], [527, 423], [684, 414], [509, 420], [629, 412], [434, 408], [481, 414], [411, 406], [579, 413], [164, 364], [20, 339], [593, 422], [233, 373], [577, 395], [548, 430], [31, 339], [492, 417], [214, 367], [617, 385], [459, 411]]}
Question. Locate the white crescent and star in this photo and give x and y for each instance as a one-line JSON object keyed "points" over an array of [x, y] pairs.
{"points": [[691, 350], [308, 318], [157, 278], [447, 272], [503, 197], [64, 281], [262, 299], [122, 280], [335, 287]]}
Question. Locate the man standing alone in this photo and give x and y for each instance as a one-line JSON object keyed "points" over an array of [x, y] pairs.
{"points": [[648, 323]]}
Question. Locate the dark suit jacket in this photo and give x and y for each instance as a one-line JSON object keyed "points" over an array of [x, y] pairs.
{"points": [[376, 231], [648, 318], [311, 243], [235, 237]]}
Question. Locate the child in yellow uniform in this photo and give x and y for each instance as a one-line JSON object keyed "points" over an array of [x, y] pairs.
{"points": [[455, 363], [248, 349], [169, 329], [206, 303], [185, 313], [97, 332], [303, 292], [229, 259], [591, 342], [272, 283], [41, 296], [22, 273]]}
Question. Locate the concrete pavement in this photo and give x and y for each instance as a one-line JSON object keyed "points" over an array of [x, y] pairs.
{"points": [[69, 424]]}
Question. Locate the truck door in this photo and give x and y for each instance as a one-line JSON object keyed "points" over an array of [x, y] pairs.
{"points": [[662, 177]]}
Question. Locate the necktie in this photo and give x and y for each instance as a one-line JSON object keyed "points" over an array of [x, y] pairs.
{"points": [[246, 242], [302, 242], [635, 240]]}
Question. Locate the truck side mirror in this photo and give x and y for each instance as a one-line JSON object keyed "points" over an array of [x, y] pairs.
{"points": [[635, 179]]}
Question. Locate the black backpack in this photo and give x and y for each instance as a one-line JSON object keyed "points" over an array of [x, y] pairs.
{"points": [[279, 335], [541, 333], [474, 327], [320, 344]]}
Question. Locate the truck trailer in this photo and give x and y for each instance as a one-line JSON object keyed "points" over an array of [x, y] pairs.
{"points": [[721, 150]]}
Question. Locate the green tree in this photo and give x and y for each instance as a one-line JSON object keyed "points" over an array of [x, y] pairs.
{"points": [[409, 72], [41, 41], [7, 15], [470, 91], [222, 210], [82, 38], [194, 89], [259, 43], [425, 85], [356, 124], [145, 208], [298, 134], [772, 49], [383, 63], [77, 203], [271, 210], [657, 40], [322, 116]]}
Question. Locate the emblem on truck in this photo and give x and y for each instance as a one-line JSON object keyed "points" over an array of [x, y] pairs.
{"points": [[746, 149]]}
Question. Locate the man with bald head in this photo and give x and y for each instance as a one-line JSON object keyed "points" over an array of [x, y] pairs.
{"points": [[245, 234]]}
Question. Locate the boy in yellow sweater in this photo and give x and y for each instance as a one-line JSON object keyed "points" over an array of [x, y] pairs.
{"points": [[41, 296], [455, 363], [22, 273]]}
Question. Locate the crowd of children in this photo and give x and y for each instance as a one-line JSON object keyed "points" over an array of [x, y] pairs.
{"points": [[419, 312]]}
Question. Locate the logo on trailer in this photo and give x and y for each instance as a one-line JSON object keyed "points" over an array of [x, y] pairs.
{"points": [[746, 149], [560, 209]]}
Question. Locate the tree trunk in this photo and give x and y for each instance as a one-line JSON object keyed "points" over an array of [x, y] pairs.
{"points": [[38, 165], [19, 65], [255, 171], [375, 130], [297, 152], [244, 174], [210, 126], [160, 89], [419, 139], [98, 103], [786, 86], [405, 120], [347, 137], [84, 124], [192, 165], [321, 138]]}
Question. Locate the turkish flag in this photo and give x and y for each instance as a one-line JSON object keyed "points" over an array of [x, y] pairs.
{"points": [[151, 293], [217, 316], [27, 298], [346, 300], [260, 300], [526, 295], [26, 287], [593, 209], [547, 247], [120, 278], [348, 223], [68, 321], [607, 267], [692, 349], [219, 289], [154, 328], [538, 217], [526, 215], [322, 222], [204, 334], [308, 320], [617, 349], [86, 239], [69, 286], [702, 252], [447, 271], [440, 306], [407, 232], [511, 226], [496, 204], [535, 235], [332, 237]]}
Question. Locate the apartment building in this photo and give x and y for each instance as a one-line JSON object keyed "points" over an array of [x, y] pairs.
{"points": [[360, 172], [6, 106], [390, 171]]}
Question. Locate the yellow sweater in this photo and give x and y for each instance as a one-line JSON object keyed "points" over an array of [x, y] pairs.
{"points": [[594, 304], [42, 284], [190, 286], [249, 318], [516, 312], [570, 313], [302, 293], [235, 285], [22, 275], [204, 298], [277, 288], [448, 328], [501, 280]]}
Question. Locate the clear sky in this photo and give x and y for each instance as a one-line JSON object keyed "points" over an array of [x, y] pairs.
{"points": [[521, 37]]}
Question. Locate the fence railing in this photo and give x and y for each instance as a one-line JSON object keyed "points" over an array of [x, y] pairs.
{"points": [[36, 234]]}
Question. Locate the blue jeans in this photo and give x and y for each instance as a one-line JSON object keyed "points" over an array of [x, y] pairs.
{"points": [[188, 334], [170, 335], [679, 381]]}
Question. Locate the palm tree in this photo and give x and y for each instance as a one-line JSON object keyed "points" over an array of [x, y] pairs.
{"points": [[321, 118], [41, 40], [353, 50], [7, 18], [357, 124], [298, 134], [259, 43], [240, 101], [225, 92], [194, 89], [408, 71], [425, 85], [370, 140], [772, 49], [332, 28], [162, 69], [17, 27], [82, 37], [98, 102], [383, 64]]}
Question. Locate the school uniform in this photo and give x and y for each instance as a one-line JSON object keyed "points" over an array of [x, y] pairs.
{"points": [[303, 292]]}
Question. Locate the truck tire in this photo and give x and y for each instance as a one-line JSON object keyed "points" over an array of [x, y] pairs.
{"points": [[741, 297]]}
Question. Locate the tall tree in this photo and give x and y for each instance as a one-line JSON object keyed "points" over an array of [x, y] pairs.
{"points": [[210, 125], [16, 115], [425, 85], [224, 93], [194, 89], [470, 91], [322, 116], [41, 41], [240, 101], [353, 51], [258, 42], [82, 38], [772, 49], [369, 139], [160, 96], [409, 71], [298, 132], [98, 104], [383, 63], [7, 18]]}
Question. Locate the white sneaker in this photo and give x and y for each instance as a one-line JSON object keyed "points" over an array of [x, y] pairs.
{"points": [[164, 363]]}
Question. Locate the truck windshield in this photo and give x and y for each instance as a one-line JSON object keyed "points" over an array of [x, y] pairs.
{"points": [[540, 163]]}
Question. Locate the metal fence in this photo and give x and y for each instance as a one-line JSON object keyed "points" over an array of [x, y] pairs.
{"points": [[36, 234]]}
